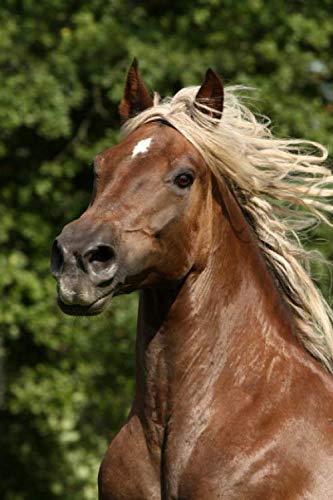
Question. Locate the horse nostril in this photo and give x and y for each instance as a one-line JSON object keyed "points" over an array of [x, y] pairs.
{"points": [[102, 253], [100, 259], [57, 258]]}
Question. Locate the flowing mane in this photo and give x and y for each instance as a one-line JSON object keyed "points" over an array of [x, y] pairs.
{"points": [[282, 186]]}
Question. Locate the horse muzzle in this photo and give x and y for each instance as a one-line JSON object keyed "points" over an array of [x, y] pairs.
{"points": [[85, 266]]}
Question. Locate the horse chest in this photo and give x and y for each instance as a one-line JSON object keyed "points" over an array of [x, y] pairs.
{"points": [[133, 470], [128, 469]]}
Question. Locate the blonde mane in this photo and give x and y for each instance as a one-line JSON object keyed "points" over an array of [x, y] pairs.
{"points": [[283, 187]]}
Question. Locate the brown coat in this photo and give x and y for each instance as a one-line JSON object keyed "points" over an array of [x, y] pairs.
{"points": [[228, 404]]}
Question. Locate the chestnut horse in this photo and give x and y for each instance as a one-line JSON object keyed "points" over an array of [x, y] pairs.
{"points": [[196, 208]]}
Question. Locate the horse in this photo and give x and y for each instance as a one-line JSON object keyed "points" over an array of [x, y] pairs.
{"points": [[200, 208]]}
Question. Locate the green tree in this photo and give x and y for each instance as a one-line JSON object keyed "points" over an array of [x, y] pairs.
{"points": [[67, 382]]}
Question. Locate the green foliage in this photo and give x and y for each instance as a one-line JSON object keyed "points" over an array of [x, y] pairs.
{"points": [[68, 382]]}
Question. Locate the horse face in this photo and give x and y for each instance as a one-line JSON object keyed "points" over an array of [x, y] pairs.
{"points": [[147, 223], [143, 225]]}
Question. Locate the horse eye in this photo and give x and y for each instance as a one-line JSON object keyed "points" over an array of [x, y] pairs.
{"points": [[184, 180]]}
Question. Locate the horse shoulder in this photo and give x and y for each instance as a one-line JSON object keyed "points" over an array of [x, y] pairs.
{"points": [[276, 443]]}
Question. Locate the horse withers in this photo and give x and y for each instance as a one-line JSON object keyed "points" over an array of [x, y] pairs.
{"points": [[233, 399]]}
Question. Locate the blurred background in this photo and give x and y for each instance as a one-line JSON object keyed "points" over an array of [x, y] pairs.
{"points": [[66, 383]]}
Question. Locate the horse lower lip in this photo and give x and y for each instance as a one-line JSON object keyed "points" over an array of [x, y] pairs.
{"points": [[89, 310]]}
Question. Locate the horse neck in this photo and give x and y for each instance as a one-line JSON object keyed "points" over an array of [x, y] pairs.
{"points": [[226, 319]]}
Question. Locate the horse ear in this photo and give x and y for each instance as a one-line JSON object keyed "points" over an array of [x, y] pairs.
{"points": [[136, 97], [211, 94]]}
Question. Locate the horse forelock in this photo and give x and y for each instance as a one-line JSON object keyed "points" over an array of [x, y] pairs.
{"points": [[272, 179]]}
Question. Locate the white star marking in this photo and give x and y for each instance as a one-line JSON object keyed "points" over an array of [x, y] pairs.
{"points": [[141, 147]]}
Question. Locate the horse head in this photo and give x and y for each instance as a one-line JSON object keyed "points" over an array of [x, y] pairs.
{"points": [[147, 222]]}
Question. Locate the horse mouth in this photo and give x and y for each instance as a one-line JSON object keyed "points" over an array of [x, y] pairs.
{"points": [[92, 309]]}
